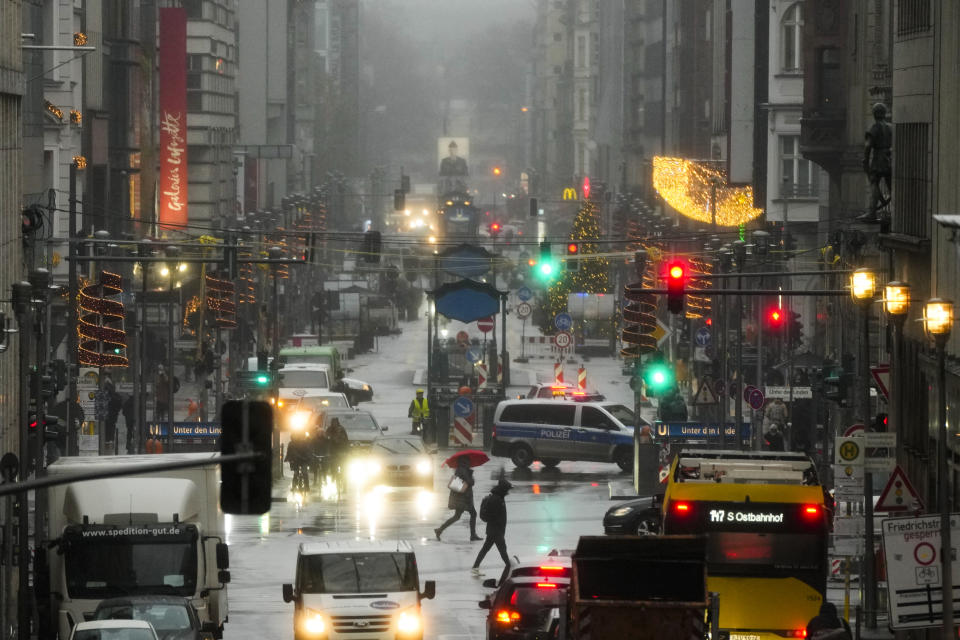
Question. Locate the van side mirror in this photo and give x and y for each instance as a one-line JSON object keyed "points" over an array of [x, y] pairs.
{"points": [[429, 590], [288, 593], [384, 427], [223, 556], [223, 577]]}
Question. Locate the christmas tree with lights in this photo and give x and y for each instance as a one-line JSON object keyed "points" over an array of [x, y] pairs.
{"points": [[592, 275]]}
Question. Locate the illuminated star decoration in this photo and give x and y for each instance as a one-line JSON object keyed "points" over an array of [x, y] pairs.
{"points": [[687, 185], [100, 330]]}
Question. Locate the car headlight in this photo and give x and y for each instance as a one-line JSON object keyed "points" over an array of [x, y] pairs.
{"points": [[314, 623], [299, 420], [622, 511], [408, 622], [366, 387], [372, 467], [424, 467]]}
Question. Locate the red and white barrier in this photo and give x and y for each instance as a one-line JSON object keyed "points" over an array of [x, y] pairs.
{"points": [[558, 372], [481, 376], [462, 431], [582, 378]]}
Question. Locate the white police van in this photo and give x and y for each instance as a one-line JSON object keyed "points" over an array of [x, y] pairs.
{"points": [[550, 431]]}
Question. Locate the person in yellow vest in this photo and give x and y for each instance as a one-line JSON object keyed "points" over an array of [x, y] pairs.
{"points": [[419, 412]]}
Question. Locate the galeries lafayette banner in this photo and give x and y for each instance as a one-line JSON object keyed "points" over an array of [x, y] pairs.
{"points": [[172, 190]]}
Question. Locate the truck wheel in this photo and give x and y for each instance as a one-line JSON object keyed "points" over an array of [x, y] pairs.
{"points": [[522, 456], [550, 463], [624, 458]]}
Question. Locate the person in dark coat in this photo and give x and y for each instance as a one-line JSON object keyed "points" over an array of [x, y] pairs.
{"points": [[129, 418], [495, 515], [461, 502], [827, 624], [774, 439]]}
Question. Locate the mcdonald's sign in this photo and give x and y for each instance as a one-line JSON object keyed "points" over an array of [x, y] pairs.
{"points": [[570, 194]]}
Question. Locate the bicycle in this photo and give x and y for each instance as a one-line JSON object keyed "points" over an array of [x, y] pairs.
{"points": [[301, 480]]}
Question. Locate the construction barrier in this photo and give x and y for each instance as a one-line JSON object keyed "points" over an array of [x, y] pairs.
{"points": [[462, 432], [481, 377], [558, 372], [582, 378], [543, 347]]}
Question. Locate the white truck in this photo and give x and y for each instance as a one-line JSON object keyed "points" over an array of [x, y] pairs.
{"points": [[159, 533]]}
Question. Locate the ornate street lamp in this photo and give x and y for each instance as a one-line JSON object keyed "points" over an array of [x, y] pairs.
{"points": [[896, 304], [937, 325], [863, 290]]}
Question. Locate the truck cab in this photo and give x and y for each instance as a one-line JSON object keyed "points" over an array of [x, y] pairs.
{"points": [[140, 535], [365, 587]]}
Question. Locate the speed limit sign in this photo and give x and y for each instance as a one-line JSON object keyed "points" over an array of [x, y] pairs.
{"points": [[523, 310], [562, 339]]}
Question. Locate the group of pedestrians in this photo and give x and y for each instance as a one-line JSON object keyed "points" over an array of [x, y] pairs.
{"points": [[323, 453], [493, 511]]}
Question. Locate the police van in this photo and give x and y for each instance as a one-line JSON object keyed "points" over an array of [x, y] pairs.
{"points": [[550, 431]]}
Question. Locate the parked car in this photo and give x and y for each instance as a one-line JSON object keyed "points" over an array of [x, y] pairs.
{"points": [[113, 630], [172, 617], [525, 603]]}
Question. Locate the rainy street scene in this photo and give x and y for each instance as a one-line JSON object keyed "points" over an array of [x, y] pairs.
{"points": [[479, 319]]}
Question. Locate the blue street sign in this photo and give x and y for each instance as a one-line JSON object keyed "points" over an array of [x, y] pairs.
{"points": [[186, 429], [524, 293], [473, 354], [463, 406], [563, 321], [698, 431], [703, 337]]}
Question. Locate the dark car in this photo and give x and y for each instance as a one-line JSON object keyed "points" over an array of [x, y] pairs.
{"points": [[361, 427], [526, 602], [634, 517], [172, 617]]}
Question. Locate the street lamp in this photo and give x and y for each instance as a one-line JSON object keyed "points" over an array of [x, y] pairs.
{"points": [[937, 324], [896, 304], [863, 290]]}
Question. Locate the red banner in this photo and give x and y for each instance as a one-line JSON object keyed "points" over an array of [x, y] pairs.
{"points": [[172, 189]]}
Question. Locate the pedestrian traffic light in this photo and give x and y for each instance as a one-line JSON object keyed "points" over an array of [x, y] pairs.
{"points": [[399, 200], [880, 423], [658, 378], [795, 329], [676, 281], [534, 208], [573, 250], [836, 385], [245, 487]]}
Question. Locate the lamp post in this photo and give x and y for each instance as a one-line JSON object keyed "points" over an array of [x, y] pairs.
{"points": [[937, 324], [896, 304], [170, 272], [740, 256], [863, 289], [761, 244]]}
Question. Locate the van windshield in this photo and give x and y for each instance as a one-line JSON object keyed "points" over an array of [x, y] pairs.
{"points": [[358, 573], [304, 379]]}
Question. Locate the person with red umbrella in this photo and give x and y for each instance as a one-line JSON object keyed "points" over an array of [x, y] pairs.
{"points": [[461, 495]]}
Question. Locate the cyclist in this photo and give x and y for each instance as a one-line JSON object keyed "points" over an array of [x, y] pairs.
{"points": [[419, 411], [337, 446], [298, 455]]}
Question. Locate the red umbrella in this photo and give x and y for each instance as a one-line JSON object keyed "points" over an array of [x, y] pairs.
{"points": [[475, 457]]}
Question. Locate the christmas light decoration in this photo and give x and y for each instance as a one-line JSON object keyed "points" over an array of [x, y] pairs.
{"points": [[593, 274], [79, 39], [101, 339], [53, 109], [698, 306], [688, 187], [80, 162], [220, 301]]}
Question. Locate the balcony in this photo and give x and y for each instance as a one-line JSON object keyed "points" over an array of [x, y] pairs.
{"points": [[822, 135]]}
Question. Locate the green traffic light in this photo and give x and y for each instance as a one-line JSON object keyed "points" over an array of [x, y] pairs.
{"points": [[658, 378], [546, 268], [262, 379]]}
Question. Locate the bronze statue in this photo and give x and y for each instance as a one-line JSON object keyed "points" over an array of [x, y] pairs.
{"points": [[877, 162], [453, 165]]}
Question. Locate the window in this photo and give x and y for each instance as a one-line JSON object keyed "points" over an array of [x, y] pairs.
{"points": [[913, 16], [581, 51], [593, 418], [582, 104], [792, 32], [798, 175], [911, 178]]}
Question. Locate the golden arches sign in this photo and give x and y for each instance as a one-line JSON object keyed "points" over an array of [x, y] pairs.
{"points": [[570, 193]]}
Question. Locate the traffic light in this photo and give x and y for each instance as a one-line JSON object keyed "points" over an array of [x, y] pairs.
{"points": [[880, 423], [658, 378], [245, 486], [399, 200], [497, 171], [546, 267], [676, 281], [774, 319], [573, 250], [371, 247], [836, 385], [795, 329], [534, 208], [405, 183], [495, 228]]}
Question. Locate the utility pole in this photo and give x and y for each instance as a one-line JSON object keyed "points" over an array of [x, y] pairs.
{"points": [[73, 436], [21, 305]]}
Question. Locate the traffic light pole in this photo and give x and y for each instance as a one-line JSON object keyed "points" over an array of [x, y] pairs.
{"points": [[21, 305]]}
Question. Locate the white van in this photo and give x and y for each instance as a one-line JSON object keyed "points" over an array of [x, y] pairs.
{"points": [[550, 431], [301, 380], [365, 587]]}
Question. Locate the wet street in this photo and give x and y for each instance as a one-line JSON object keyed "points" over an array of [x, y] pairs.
{"points": [[546, 510]]}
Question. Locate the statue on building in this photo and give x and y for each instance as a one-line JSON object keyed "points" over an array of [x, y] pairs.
{"points": [[878, 163], [453, 165]]}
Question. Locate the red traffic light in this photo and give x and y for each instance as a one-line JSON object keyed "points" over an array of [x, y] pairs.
{"points": [[573, 249], [495, 228], [775, 317], [676, 272], [497, 171]]}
